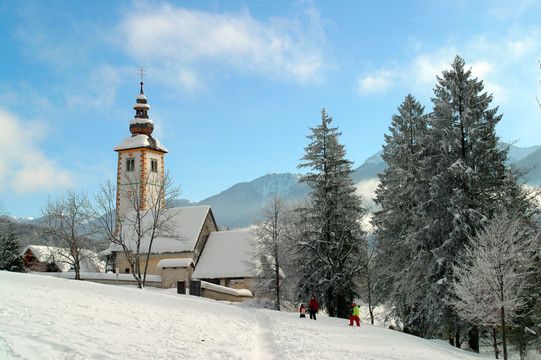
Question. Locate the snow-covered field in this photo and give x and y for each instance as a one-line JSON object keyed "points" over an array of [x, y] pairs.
{"points": [[44, 317]]}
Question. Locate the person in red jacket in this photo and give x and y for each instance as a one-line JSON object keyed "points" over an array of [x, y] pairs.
{"points": [[313, 308], [302, 311]]}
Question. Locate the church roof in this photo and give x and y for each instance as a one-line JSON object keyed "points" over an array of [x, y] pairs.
{"points": [[227, 254], [185, 224], [140, 141]]}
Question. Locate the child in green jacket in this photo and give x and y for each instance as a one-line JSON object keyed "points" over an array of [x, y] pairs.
{"points": [[354, 315]]}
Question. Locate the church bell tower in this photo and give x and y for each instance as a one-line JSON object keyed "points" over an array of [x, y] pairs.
{"points": [[141, 169]]}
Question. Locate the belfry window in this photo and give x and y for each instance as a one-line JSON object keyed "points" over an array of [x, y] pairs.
{"points": [[154, 165], [130, 164]]}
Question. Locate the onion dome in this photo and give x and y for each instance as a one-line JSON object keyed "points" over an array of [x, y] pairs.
{"points": [[141, 124]]}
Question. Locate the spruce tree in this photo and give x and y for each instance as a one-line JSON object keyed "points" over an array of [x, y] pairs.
{"points": [[332, 243], [10, 257], [469, 183], [398, 194]]}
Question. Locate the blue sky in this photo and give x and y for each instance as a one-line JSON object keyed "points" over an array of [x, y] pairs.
{"points": [[234, 85]]}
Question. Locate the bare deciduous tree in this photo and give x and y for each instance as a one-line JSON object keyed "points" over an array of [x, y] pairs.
{"points": [[69, 218], [147, 218], [273, 249]]}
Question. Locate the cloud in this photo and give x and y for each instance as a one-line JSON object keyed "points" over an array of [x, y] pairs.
{"points": [[186, 42], [367, 188], [24, 168], [497, 59], [376, 83]]}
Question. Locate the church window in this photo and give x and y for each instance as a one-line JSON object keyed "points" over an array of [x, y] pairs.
{"points": [[154, 165], [130, 164]]}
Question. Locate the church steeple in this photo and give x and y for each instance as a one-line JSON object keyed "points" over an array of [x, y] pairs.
{"points": [[141, 167], [141, 124]]}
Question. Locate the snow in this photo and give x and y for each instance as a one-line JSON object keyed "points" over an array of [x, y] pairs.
{"points": [[140, 121], [140, 141], [175, 263], [227, 254], [225, 290], [44, 317], [100, 276], [141, 106]]}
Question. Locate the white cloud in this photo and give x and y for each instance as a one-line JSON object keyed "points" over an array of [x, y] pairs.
{"points": [[376, 83], [425, 68], [24, 168], [184, 41]]}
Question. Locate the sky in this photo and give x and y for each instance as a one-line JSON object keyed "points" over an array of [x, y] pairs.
{"points": [[234, 86]]}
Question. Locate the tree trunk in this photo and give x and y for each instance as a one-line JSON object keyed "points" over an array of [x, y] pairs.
{"points": [[369, 292], [330, 305], [495, 342], [343, 307], [473, 339], [277, 286], [504, 334]]}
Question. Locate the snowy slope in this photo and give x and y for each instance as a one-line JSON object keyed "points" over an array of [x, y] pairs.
{"points": [[44, 317]]}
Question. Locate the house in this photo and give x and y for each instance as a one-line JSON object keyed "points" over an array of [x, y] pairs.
{"points": [[55, 259], [228, 260]]}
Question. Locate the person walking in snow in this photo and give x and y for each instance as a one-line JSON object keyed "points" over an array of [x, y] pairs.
{"points": [[354, 315], [313, 307], [302, 310]]}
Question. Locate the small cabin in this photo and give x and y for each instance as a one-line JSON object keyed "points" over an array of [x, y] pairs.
{"points": [[55, 259]]}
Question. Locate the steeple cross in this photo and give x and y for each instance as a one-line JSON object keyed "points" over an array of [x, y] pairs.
{"points": [[142, 72]]}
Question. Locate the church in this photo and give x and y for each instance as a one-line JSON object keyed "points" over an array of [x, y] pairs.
{"points": [[193, 248]]}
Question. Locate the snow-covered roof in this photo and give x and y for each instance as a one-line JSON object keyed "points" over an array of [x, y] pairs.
{"points": [[63, 258], [141, 106], [227, 254], [186, 224], [140, 141], [175, 263], [141, 121]]}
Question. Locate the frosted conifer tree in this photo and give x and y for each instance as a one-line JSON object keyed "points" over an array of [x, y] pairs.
{"points": [[469, 183], [400, 190], [332, 243], [10, 252]]}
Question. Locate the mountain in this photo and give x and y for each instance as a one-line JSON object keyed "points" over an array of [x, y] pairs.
{"points": [[241, 204], [517, 153], [531, 164]]}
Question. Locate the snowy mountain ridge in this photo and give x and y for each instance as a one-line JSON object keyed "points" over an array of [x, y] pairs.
{"points": [[276, 183]]}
